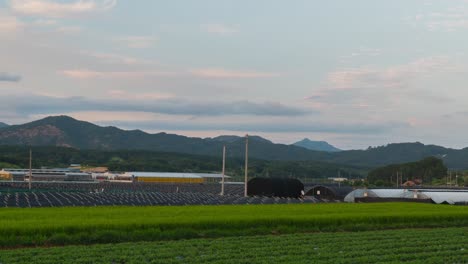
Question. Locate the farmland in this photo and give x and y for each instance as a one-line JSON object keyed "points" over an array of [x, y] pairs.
{"points": [[93, 225], [442, 245]]}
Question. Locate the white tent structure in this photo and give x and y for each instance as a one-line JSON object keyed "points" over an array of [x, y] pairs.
{"points": [[438, 196]]}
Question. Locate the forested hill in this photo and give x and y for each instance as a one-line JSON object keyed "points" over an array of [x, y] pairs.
{"points": [[140, 160], [316, 145], [426, 171], [402, 153], [67, 132]]}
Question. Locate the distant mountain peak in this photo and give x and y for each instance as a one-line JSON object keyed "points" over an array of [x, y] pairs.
{"points": [[3, 125], [58, 119], [231, 138], [316, 145]]}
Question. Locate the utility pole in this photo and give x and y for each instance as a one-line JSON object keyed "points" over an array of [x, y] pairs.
{"points": [[397, 179], [449, 183], [446, 179], [30, 168], [246, 163], [224, 167], [339, 178]]}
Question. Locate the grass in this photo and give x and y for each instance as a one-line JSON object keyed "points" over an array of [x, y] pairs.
{"points": [[440, 245], [90, 225]]}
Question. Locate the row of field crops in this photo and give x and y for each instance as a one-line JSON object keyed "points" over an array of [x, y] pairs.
{"points": [[439, 245]]}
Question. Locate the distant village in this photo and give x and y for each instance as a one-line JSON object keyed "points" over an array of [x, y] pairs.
{"points": [[75, 173]]}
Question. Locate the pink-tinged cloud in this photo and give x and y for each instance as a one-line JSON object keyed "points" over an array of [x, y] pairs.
{"points": [[391, 77], [219, 29], [229, 74], [9, 24], [48, 8], [418, 122], [120, 94], [111, 58], [88, 74]]}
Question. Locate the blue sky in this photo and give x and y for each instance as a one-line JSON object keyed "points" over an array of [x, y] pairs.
{"points": [[354, 73]]}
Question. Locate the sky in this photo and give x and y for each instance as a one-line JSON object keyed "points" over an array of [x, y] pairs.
{"points": [[354, 73]]}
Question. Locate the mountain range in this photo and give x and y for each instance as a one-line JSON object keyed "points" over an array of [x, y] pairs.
{"points": [[316, 145], [3, 125], [67, 132]]}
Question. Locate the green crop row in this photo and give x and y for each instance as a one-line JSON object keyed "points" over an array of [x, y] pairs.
{"points": [[91, 225], [440, 245]]}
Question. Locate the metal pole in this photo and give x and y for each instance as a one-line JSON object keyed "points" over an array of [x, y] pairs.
{"points": [[224, 167], [246, 163], [397, 179], [30, 168]]}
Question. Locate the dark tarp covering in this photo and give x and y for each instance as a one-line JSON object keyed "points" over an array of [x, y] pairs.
{"points": [[277, 187]]}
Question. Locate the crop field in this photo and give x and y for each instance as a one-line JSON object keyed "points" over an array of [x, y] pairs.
{"points": [[440, 245], [93, 225]]}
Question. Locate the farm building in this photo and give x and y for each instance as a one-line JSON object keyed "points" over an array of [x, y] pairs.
{"points": [[439, 196], [105, 176], [96, 170], [5, 176], [48, 175], [171, 177]]}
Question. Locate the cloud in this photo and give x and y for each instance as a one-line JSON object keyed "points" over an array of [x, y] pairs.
{"points": [[9, 24], [7, 77], [121, 94], [55, 9], [261, 126], [451, 19], [390, 77], [69, 29], [362, 52], [219, 29], [111, 58], [137, 42], [218, 73], [199, 73], [89, 74], [37, 104], [45, 22]]}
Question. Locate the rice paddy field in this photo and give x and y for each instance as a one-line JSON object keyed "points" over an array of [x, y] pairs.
{"points": [[299, 233]]}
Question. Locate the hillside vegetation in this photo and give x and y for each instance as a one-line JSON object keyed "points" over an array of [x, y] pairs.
{"points": [[139, 160]]}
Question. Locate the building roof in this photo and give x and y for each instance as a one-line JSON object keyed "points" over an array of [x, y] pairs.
{"points": [[163, 175], [174, 175], [58, 170], [211, 175], [447, 197]]}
